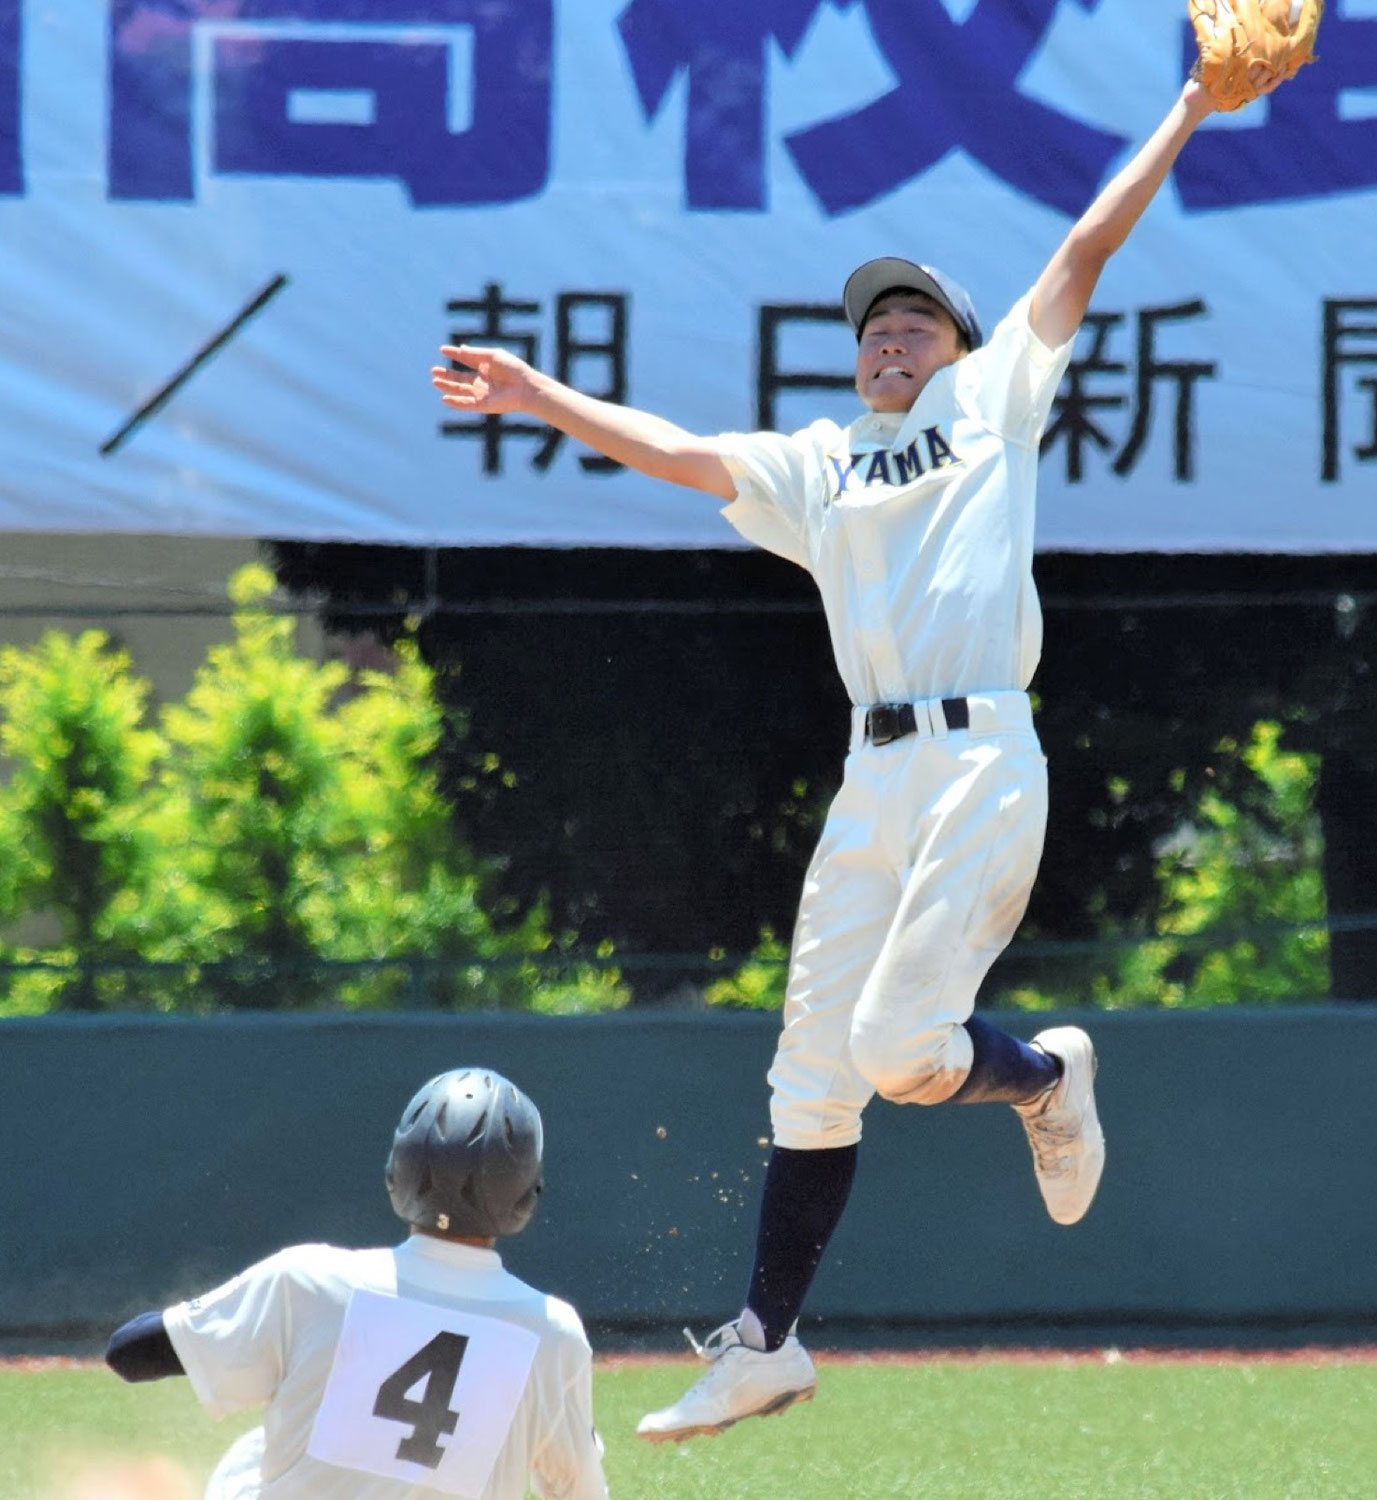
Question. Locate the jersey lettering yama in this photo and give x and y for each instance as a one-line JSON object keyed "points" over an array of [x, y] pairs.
{"points": [[897, 466]]}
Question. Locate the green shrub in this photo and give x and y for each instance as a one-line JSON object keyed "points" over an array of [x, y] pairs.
{"points": [[75, 848], [1241, 914], [759, 983], [278, 841]]}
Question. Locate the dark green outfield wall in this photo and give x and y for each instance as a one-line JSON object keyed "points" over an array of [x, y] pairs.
{"points": [[149, 1159]]}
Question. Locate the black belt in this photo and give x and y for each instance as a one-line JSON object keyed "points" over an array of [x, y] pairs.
{"points": [[892, 721]]}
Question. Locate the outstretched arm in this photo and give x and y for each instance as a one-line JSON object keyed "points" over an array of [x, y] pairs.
{"points": [[142, 1350], [500, 382], [1064, 289]]}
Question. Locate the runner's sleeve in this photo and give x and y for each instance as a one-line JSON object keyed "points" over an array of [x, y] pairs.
{"points": [[232, 1341]]}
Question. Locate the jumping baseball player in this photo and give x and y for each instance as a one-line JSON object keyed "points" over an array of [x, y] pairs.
{"points": [[917, 523], [399, 1374]]}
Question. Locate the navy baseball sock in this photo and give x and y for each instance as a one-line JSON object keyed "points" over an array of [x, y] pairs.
{"points": [[1004, 1069], [805, 1193]]}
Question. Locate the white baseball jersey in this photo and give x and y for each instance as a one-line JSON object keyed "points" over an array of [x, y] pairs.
{"points": [[918, 528], [394, 1374]]}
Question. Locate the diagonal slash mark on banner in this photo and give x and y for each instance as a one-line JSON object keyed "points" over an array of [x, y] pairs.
{"points": [[170, 387]]}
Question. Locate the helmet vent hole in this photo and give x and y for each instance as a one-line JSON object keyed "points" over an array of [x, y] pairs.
{"points": [[479, 1126]]}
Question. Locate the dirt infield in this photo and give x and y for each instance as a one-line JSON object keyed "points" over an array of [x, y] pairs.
{"points": [[1356, 1354], [1311, 1354], [1315, 1354]]}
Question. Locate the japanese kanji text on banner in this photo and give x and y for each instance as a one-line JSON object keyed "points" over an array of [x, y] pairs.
{"points": [[233, 234]]}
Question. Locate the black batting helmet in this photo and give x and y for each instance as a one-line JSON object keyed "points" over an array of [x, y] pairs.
{"points": [[466, 1156]]}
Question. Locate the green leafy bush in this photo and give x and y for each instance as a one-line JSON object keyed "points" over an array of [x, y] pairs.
{"points": [[759, 983], [1241, 914], [75, 847], [279, 840]]}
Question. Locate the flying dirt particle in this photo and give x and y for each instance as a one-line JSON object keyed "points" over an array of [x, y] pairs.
{"points": [[660, 1132], [762, 1141], [672, 1233]]}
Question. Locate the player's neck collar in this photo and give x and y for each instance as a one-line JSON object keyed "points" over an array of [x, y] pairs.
{"points": [[451, 1252], [877, 426]]}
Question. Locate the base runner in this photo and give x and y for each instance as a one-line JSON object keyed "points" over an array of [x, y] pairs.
{"points": [[403, 1373]]}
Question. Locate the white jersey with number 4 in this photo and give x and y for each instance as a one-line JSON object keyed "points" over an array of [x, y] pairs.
{"points": [[394, 1374]]}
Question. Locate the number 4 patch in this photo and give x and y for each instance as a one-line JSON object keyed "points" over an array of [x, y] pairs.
{"points": [[420, 1393], [438, 1365]]}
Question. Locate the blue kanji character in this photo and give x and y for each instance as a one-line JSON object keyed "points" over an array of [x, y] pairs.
{"points": [[11, 162], [722, 47], [395, 56], [957, 87], [1301, 147]]}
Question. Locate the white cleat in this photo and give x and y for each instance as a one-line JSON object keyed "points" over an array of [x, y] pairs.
{"points": [[739, 1382], [1064, 1128]]}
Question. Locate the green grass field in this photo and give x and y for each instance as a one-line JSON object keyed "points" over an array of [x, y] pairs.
{"points": [[997, 1429]]}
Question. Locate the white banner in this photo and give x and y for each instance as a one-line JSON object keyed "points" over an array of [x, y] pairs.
{"points": [[234, 232]]}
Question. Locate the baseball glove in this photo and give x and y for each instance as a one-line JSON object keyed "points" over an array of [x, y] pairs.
{"points": [[1247, 47]]}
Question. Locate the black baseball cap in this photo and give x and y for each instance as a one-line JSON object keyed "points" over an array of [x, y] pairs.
{"points": [[867, 283]]}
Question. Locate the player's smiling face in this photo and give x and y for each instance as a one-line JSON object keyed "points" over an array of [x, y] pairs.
{"points": [[906, 339]]}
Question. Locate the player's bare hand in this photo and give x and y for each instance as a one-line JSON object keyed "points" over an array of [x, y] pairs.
{"points": [[492, 380], [1197, 98]]}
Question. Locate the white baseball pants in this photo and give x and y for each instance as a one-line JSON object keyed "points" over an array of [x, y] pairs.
{"points": [[920, 879]]}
